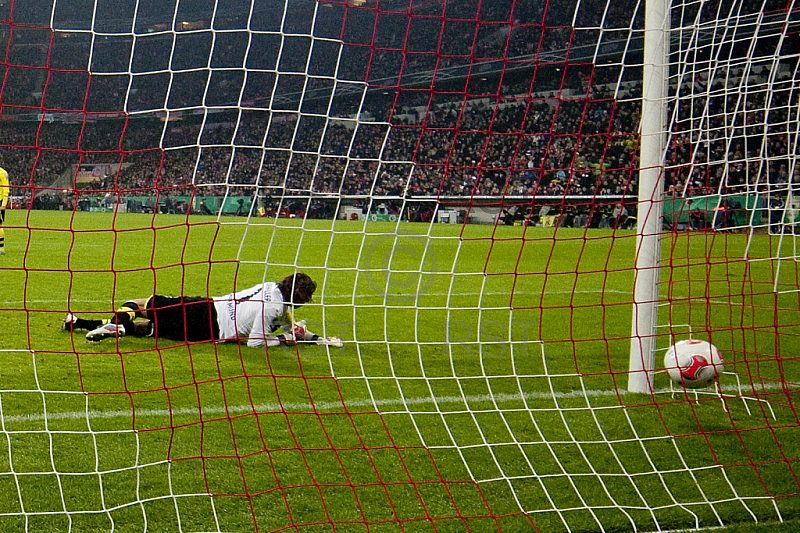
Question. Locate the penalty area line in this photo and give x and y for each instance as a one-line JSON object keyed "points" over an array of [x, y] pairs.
{"points": [[382, 406]]}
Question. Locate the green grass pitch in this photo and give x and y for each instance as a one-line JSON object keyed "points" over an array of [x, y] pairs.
{"points": [[445, 413]]}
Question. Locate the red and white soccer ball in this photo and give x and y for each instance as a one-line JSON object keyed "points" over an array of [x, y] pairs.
{"points": [[693, 363]]}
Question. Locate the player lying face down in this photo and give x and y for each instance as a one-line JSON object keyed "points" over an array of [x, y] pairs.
{"points": [[254, 314]]}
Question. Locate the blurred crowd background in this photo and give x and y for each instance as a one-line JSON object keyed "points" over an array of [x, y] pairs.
{"points": [[390, 102]]}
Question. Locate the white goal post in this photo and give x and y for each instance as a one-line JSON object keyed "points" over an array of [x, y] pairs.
{"points": [[718, 154], [655, 75]]}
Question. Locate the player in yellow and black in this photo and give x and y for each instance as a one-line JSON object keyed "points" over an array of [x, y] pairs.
{"points": [[4, 191]]}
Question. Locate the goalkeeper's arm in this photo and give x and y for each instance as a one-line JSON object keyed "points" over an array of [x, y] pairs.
{"points": [[299, 333]]}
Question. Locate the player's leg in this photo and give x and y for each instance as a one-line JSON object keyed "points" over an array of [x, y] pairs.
{"points": [[187, 318], [73, 322], [2, 232], [131, 310], [122, 322], [141, 328]]}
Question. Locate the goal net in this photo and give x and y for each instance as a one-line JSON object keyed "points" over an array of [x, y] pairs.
{"points": [[490, 196]]}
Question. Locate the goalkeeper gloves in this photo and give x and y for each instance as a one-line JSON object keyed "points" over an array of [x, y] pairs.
{"points": [[300, 333]]}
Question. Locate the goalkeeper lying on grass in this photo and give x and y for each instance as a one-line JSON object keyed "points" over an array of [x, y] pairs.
{"points": [[253, 314]]}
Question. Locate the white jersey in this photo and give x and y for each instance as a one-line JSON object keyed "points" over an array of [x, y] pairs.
{"points": [[252, 313]]}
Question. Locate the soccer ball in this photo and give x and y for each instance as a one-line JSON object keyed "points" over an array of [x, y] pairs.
{"points": [[693, 363]]}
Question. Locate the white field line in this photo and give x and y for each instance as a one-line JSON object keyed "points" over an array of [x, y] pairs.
{"points": [[347, 298], [357, 405]]}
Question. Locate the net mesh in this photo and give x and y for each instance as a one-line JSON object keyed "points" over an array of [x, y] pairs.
{"points": [[461, 180]]}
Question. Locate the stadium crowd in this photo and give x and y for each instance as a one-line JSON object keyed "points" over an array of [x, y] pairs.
{"points": [[560, 130], [519, 147]]}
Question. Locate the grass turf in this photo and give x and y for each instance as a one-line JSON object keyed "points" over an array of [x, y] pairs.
{"points": [[442, 382]]}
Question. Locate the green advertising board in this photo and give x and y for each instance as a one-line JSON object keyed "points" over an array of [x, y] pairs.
{"points": [[738, 210]]}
